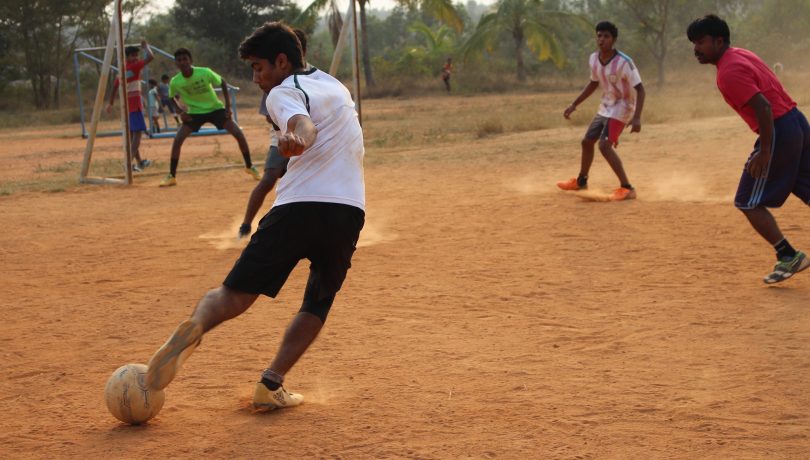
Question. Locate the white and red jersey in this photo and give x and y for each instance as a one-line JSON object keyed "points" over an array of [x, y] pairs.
{"points": [[618, 79], [133, 75]]}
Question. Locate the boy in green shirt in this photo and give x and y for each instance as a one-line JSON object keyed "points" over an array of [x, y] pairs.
{"points": [[195, 86]]}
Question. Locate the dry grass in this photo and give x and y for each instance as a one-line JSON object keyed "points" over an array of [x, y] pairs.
{"points": [[392, 125]]}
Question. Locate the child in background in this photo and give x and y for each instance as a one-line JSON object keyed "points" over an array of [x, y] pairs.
{"points": [[152, 105], [165, 100]]}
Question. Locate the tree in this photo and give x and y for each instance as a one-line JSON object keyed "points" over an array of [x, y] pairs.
{"points": [[529, 26], [130, 10], [443, 10], [219, 26], [46, 31], [661, 24], [655, 26]]}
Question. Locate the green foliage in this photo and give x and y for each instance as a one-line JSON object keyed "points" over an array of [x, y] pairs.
{"points": [[219, 26], [501, 45], [43, 34], [773, 34], [529, 26], [442, 10]]}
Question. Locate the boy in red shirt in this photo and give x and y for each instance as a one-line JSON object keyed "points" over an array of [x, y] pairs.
{"points": [[780, 162], [137, 126]]}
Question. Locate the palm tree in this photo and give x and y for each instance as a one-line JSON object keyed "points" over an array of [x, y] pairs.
{"points": [[334, 20], [529, 25], [443, 10]]}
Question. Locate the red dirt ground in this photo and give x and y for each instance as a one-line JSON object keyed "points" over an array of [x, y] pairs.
{"points": [[487, 315]]}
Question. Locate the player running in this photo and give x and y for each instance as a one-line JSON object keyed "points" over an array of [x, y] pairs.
{"points": [[780, 162], [622, 103], [318, 213]]}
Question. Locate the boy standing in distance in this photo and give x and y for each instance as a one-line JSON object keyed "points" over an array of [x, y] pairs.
{"points": [[275, 165], [318, 213], [165, 100], [195, 86], [447, 71], [780, 162], [132, 72], [622, 103], [152, 105]]}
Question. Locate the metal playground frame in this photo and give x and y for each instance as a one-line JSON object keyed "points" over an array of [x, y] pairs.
{"points": [[115, 48], [166, 132]]}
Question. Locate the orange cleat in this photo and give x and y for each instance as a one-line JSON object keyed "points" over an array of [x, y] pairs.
{"points": [[570, 185], [621, 194]]}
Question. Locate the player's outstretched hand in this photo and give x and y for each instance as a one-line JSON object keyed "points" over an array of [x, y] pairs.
{"points": [[569, 110], [636, 126], [244, 230], [291, 145]]}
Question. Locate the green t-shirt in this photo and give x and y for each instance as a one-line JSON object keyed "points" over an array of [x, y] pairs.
{"points": [[197, 91]]}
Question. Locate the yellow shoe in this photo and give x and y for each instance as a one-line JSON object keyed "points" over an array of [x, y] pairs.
{"points": [[253, 172], [264, 398], [166, 363], [168, 181]]}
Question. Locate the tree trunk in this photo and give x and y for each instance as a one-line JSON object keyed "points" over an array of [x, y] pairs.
{"points": [[364, 45], [335, 21], [43, 96], [521, 70], [56, 92], [661, 71]]}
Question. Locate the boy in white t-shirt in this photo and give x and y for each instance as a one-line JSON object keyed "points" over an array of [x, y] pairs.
{"points": [[317, 215], [622, 103], [275, 165]]}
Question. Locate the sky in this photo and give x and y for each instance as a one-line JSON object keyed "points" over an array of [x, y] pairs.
{"points": [[163, 5]]}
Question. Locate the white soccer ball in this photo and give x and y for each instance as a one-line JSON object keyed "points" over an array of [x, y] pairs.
{"points": [[128, 398]]}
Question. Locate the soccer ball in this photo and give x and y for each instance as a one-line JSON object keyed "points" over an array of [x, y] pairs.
{"points": [[128, 398]]}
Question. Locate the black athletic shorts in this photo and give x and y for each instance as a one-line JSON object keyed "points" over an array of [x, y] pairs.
{"points": [[217, 118], [788, 171], [324, 233]]}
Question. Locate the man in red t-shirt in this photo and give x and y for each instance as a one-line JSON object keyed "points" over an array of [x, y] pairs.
{"points": [[780, 162], [137, 126]]}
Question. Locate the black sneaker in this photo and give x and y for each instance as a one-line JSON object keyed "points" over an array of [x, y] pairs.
{"points": [[787, 267]]}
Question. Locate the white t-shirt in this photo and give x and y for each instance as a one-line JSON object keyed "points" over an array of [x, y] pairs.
{"points": [[330, 170], [618, 79]]}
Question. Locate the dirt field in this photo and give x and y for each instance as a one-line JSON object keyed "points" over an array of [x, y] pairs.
{"points": [[487, 315]]}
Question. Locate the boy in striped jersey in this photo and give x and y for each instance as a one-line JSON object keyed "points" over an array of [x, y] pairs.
{"points": [[780, 162], [622, 103]]}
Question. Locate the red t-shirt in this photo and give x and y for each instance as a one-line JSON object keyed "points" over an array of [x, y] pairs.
{"points": [[741, 74], [133, 73]]}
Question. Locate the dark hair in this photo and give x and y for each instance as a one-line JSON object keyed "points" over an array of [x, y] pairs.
{"points": [[302, 37], [710, 25], [164, 77], [182, 52], [130, 50], [270, 40], [606, 26], [153, 82]]}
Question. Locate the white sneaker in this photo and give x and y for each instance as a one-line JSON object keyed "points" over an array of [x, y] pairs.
{"points": [[264, 398]]}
